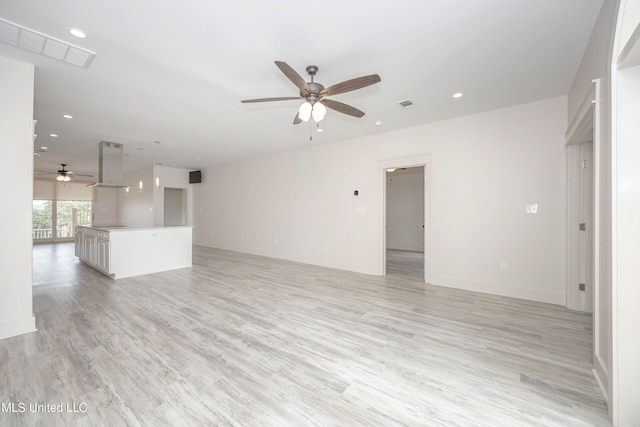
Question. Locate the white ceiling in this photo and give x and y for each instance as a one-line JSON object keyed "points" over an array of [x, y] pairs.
{"points": [[175, 72]]}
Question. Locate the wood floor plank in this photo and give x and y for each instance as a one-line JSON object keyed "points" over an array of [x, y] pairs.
{"points": [[243, 340]]}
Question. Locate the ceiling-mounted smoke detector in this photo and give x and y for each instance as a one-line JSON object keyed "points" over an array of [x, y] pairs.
{"points": [[407, 103]]}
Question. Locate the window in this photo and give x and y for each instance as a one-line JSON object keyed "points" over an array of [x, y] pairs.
{"points": [[61, 216]]}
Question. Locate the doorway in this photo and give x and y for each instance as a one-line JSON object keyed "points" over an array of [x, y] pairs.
{"points": [[175, 207], [581, 226], [55, 220], [405, 221], [421, 260]]}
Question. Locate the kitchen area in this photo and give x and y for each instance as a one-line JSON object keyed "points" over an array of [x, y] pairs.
{"points": [[120, 251], [141, 221]]}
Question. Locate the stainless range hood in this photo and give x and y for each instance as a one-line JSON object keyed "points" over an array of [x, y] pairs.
{"points": [[110, 168]]}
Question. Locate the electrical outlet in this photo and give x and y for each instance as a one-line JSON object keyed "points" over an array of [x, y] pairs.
{"points": [[504, 265]]}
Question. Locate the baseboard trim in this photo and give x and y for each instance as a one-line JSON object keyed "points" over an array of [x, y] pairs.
{"points": [[601, 376], [557, 298], [16, 327]]}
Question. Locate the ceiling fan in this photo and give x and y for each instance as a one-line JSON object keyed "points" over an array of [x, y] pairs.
{"points": [[314, 94], [63, 174]]}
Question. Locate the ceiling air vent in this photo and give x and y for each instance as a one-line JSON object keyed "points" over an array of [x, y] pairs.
{"points": [[42, 44], [407, 103]]}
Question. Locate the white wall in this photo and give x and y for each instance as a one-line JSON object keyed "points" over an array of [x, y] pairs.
{"points": [[405, 209], [630, 22], [135, 207], [172, 178], [596, 64], [104, 207], [625, 236], [16, 137], [145, 208], [51, 189], [626, 249], [299, 205]]}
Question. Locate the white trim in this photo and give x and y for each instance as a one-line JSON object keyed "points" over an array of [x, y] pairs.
{"points": [[582, 129], [614, 367], [601, 375], [582, 121], [557, 298], [600, 368], [16, 327]]}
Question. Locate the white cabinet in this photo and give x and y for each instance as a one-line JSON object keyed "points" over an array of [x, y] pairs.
{"points": [[94, 248], [89, 253], [103, 254], [79, 242], [121, 252]]}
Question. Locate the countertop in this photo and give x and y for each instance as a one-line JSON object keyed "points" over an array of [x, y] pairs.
{"points": [[112, 228]]}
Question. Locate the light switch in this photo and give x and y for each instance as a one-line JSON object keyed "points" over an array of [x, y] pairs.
{"points": [[361, 209], [532, 208]]}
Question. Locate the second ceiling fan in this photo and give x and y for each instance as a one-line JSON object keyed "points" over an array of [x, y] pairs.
{"points": [[314, 94]]}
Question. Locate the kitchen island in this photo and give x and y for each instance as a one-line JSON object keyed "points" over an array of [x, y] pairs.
{"points": [[121, 252]]}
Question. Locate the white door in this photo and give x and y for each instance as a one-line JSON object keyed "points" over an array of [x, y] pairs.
{"points": [[586, 227]]}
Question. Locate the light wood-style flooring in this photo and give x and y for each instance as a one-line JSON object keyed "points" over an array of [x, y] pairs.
{"points": [[242, 340]]}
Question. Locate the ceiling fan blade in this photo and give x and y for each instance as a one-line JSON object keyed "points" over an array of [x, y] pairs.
{"points": [[40, 171], [284, 98], [80, 174], [342, 108], [349, 85], [292, 75], [297, 120]]}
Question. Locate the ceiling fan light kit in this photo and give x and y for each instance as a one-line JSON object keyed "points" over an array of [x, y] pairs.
{"points": [[315, 104], [64, 175]]}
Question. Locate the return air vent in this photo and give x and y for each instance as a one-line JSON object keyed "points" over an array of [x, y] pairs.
{"points": [[407, 103], [42, 44]]}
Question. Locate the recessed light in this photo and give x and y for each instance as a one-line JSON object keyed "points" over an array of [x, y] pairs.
{"points": [[68, 116], [457, 95], [44, 148], [53, 135], [77, 32], [378, 122]]}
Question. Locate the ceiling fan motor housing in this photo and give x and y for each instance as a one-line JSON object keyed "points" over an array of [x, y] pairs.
{"points": [[314, 91]]}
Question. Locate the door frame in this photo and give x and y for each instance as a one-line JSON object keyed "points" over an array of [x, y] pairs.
{"points": [[405, 162]]}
